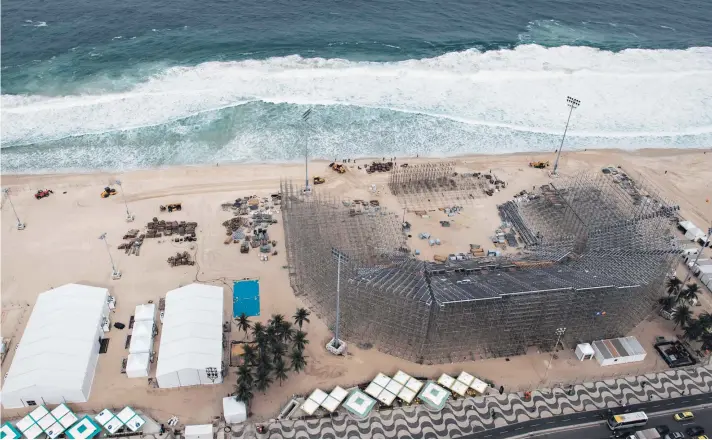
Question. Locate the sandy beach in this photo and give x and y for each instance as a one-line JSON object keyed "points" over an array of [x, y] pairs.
{"points": [[61, 245]]}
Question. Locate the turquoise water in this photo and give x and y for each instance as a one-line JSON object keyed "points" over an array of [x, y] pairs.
{"points": [[100, 85]]}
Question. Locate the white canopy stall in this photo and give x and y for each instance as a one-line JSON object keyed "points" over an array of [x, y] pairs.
{"points": [[191, 340], [56, 359]]}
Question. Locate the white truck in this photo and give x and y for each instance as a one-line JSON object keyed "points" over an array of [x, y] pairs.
{"points": [[650, 433]]}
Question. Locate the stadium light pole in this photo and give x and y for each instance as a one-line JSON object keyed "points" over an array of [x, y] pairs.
{"points": [[305, 118], [559, 333], [339, 257], [129, 217], [572, 103], [115, 274], [20, 225]]}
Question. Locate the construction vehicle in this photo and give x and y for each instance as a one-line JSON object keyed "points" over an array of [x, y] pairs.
{"points": [[539, 164], [171, 207], [319, 180], [338, 167], [108, 192], [42, 193]]}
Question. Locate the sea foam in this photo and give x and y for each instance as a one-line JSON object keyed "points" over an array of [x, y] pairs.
{"points": [[635, 93]]}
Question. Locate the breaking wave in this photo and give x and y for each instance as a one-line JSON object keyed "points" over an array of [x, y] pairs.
{"points": [[494, 101]]}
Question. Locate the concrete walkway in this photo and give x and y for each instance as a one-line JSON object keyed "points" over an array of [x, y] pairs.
{"points": [[466, 416]]}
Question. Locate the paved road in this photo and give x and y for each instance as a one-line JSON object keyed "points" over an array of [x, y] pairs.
{"points": [[703, 417], [590, 416]]}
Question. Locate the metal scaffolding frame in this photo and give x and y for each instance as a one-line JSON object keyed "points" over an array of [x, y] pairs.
{"points": [[435, 184], [597, 249]]}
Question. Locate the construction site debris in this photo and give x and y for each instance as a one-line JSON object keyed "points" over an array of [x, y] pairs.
{"points": [[181, 259], [171, 207], [380, 167], [132, 233]]}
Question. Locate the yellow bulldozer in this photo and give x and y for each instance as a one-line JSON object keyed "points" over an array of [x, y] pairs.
{"points": [[338, 167], [319, 180], [539, 164]]}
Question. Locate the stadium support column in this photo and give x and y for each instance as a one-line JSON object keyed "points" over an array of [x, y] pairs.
{"points": [[572, 103]]}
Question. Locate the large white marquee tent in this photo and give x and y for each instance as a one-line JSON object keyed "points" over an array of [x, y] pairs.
{"points": [[57, 356], [191, 337]]}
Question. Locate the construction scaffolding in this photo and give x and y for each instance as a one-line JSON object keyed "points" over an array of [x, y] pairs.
{"points": [[597, 249], [436, 184]]}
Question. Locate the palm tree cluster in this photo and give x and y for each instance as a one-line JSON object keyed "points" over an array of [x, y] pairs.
{"points": [[677, 302], [277, 348]]}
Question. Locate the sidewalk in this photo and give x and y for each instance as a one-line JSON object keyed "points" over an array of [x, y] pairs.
{"points": [[466, 416]]}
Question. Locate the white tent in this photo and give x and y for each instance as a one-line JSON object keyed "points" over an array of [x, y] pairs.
{"points": [[145, 312], [584, 352], [234, 411], [686, 224], [141, 337], [191, 338], [137, 365], [694, 233], [56, 359], [199, 431]]}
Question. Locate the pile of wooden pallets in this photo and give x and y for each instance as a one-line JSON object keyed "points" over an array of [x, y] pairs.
{"points": [[181, 259], [233, 225], [158, 228], [133, 246]]}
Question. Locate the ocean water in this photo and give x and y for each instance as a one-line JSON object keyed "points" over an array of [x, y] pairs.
{"points": [[134, 84]]}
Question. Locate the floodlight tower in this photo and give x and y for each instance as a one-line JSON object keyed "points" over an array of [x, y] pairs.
{"points": [[305, 118], [336, 344], [115, 274], [559, 333], [129, 217], [572, 103], [20, 225]]}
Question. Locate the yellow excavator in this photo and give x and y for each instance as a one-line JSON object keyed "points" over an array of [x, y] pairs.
{"points": [[539, 164], [108, 192], [319, 180], [339, 168]]}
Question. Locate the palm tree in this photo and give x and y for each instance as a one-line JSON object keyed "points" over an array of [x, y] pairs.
{"points": [[243, 323], [298, 360], [301, 317], [280, 370], [262, 381], [257, 329], [300, 340], [667, 302], [689, 293], [277, 320], [287, 332], [694, 330], [248, 354], [244, 375], [673, 286], [706, 340], [278, 350], [244, 393], [682, 316], [705, 320]]}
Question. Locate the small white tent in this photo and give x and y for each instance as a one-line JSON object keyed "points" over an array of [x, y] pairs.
{"points": [[199, 431], [234, 411], [137, 365], [191, 338], [57, 356], [141, 337]]}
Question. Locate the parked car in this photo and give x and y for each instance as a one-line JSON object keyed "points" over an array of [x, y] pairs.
{"points": [[685, 415], [675, 435], [695, 431]]}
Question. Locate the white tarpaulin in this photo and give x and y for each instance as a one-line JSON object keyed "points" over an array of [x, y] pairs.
{"points": [[56, 359]]}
